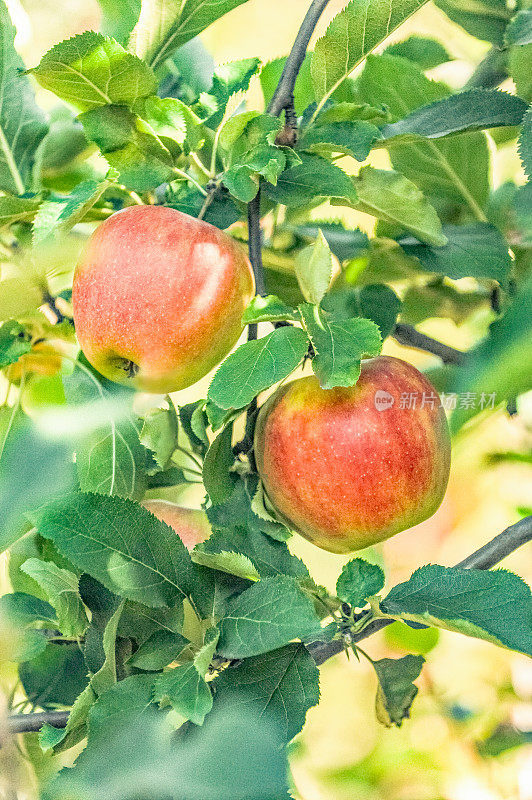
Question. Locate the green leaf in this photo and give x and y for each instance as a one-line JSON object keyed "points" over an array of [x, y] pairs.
{"points": [[282, 684], [186, 691], [226, 561], [268, 309], [171, 118], [266, 616], [256, 366], [222, 211], [456, 169], [519, 69], [438, 299], [20, 608], [396, 691], [477, 250], [103, 680], [150, 565], [54, 677], [20, 612], [241, 183], [106, 675], [15, 341], [251, 151], [339, 346], [109, 456], [91, 70], [313, 267], [218, 480], [122, 704], [204, 656], [268, 556], [473, 110], [188, 72], [194, 422], [498, 368], [391, 197], [60, 739], [60, 214], [492, 605], [228, 79], [427, 53], [485, 19], [33, 470], [22, 123], [130, 146], [119, 18], [62, 588], [345, 244], [376, 302], [350, 138], [17, 209], [307, 182], [519, 29], [165, 25], [352, 34], [303, 93], [243, 509], [159, 650], [359, 580], [525, 143], [159, 433], [167, 765], [346, 111]]}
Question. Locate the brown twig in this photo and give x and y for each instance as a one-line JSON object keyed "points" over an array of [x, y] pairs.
{"points": [[408, 336]]}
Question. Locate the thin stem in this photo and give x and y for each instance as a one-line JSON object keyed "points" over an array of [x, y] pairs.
{"points": [[133, 195], [215, 148], [408, 336], [186, 176]]}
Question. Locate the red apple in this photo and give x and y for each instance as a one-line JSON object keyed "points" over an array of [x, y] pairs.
{"points": [[351, 467], [191, 526], [158, 298]]}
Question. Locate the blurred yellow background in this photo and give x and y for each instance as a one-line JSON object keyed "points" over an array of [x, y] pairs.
{"points": [[468, 688]]}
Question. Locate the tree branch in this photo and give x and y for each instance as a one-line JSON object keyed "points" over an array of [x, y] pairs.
{"points": [[410, 337], [283, 97], [486, 557], [29, 723], [255, 244]]}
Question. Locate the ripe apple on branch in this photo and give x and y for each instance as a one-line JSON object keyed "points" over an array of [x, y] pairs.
{"points": [[155, 614], [158, 298]]}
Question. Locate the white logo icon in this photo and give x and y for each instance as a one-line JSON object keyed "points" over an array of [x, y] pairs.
{"points": [[383, 400]]}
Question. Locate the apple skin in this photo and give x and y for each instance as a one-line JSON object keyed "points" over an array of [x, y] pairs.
{"points": [[158, 298], [191, 526], [344, 473]]}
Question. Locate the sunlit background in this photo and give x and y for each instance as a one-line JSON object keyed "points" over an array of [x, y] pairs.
{"points": [[467, 738]]}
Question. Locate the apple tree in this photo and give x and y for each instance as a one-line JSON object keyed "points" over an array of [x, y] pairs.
{"points": [[183, 665]]}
